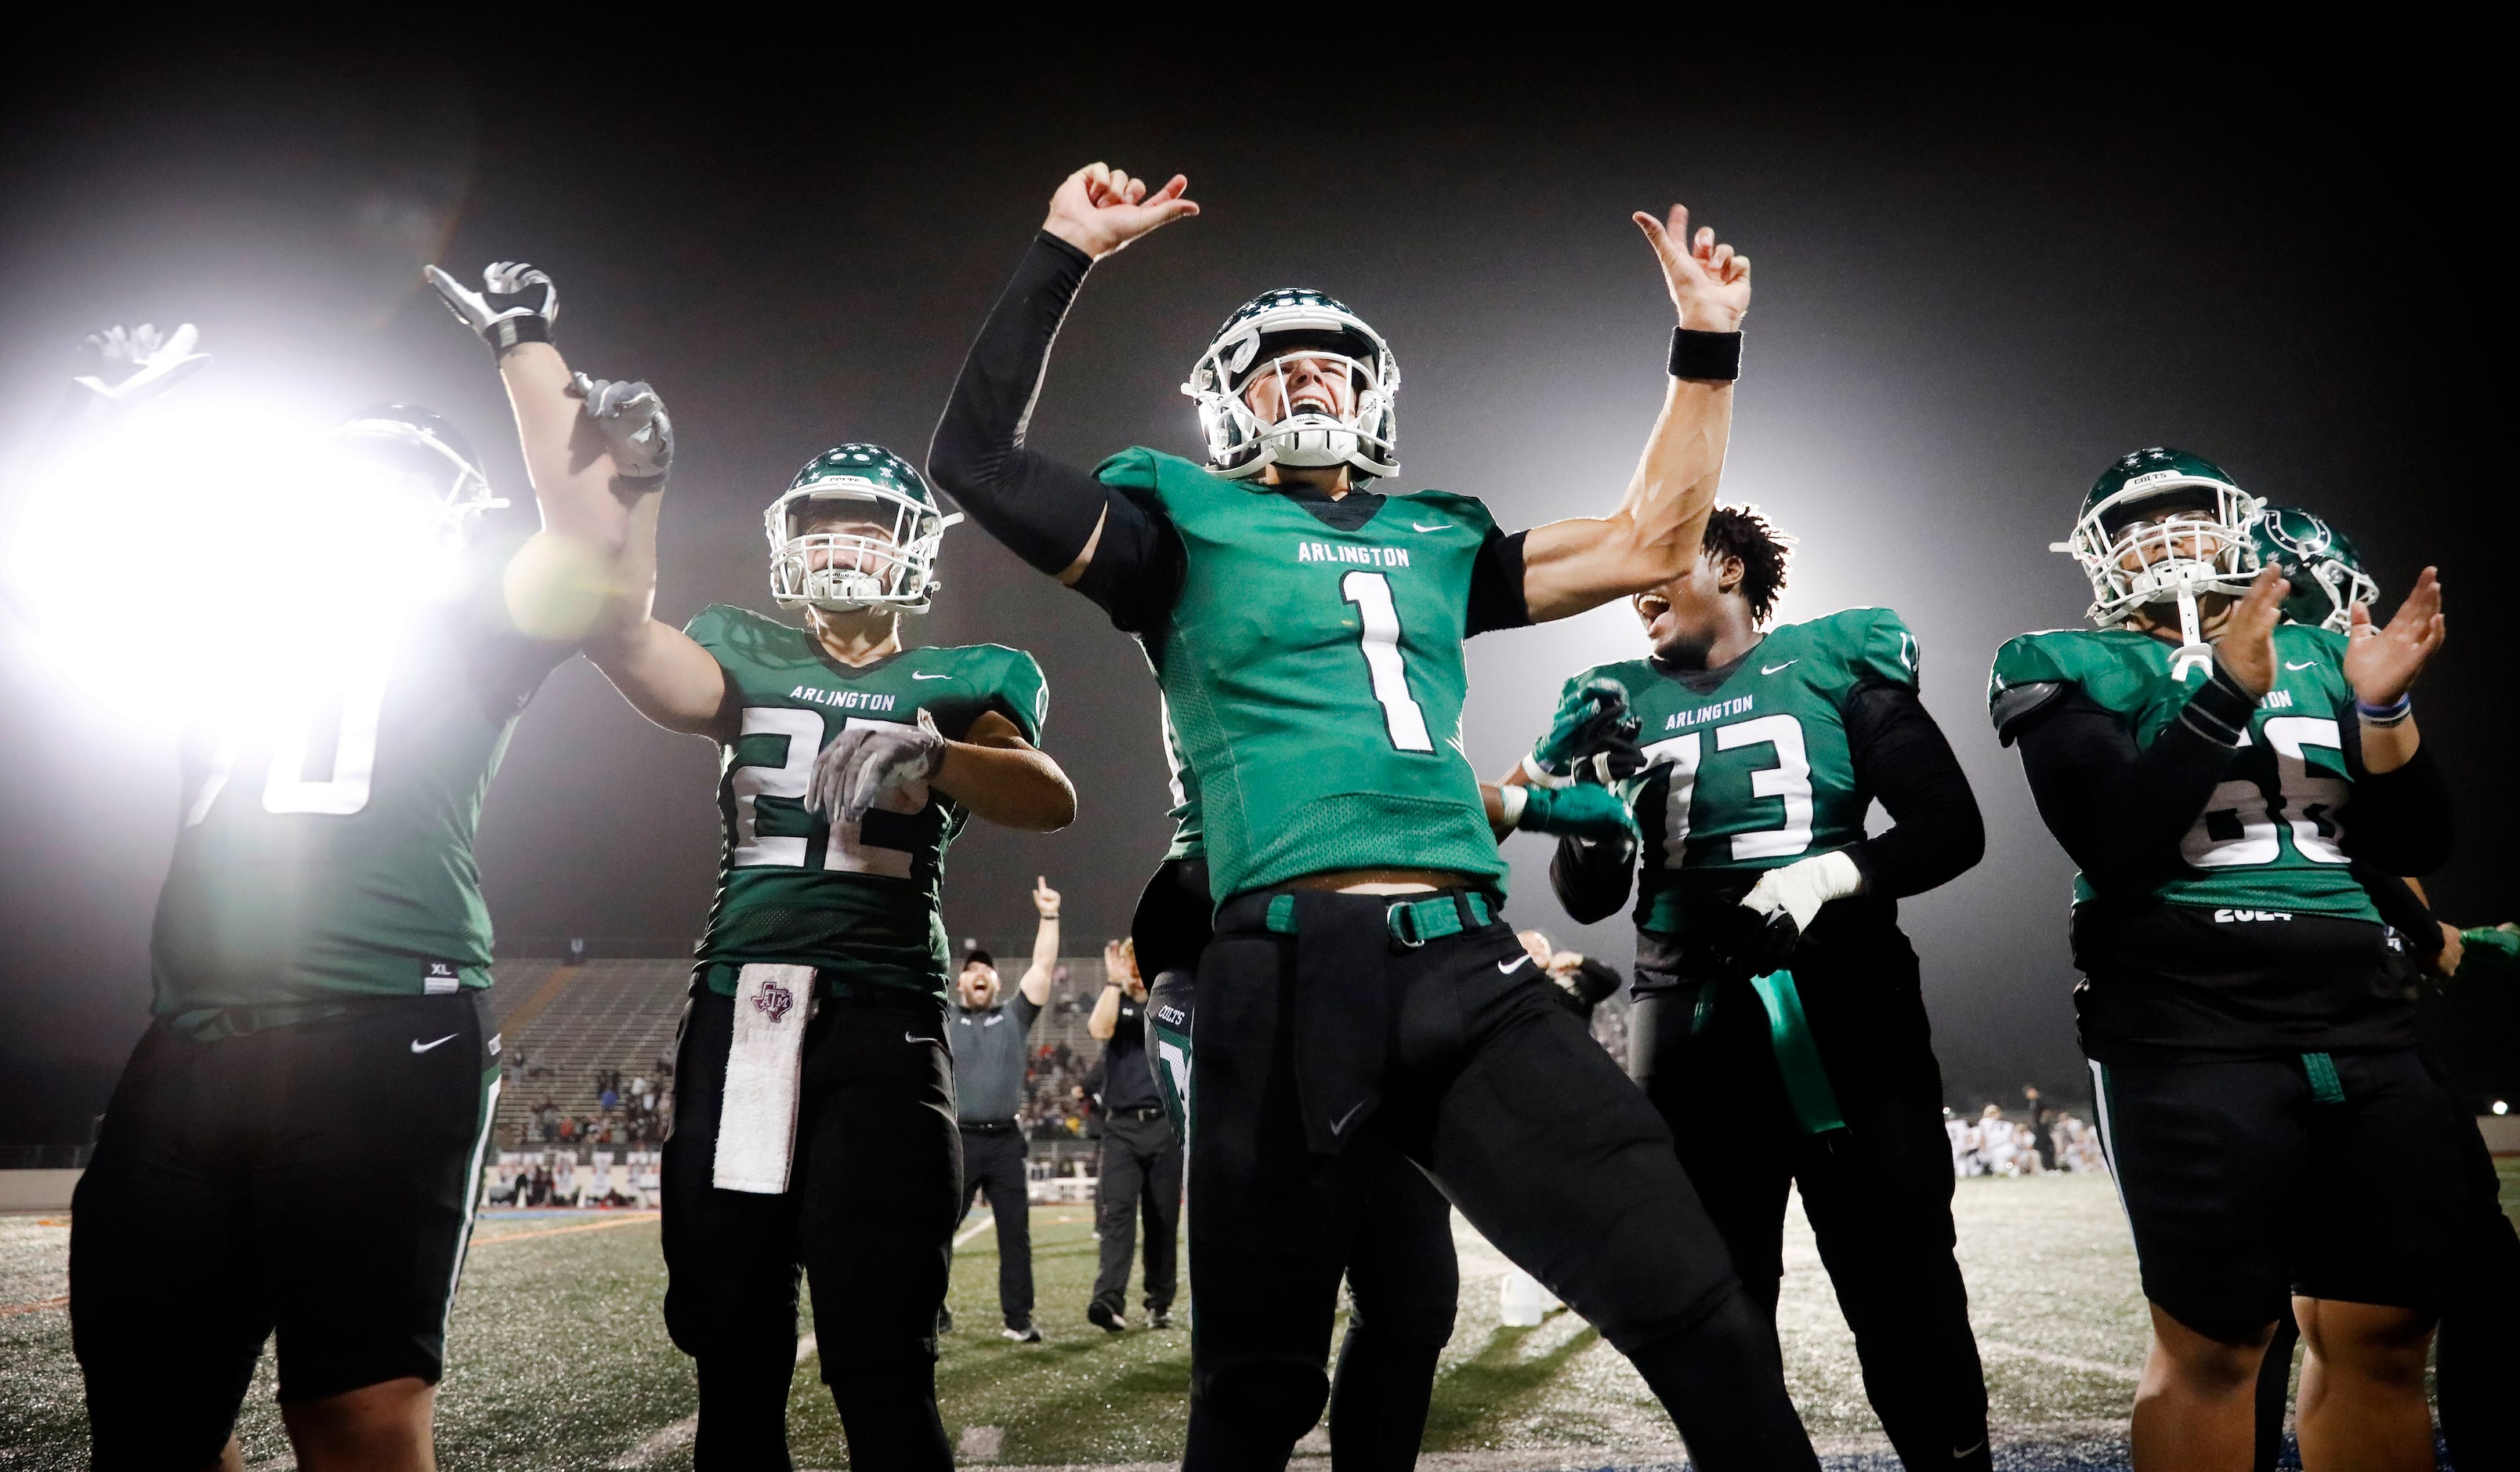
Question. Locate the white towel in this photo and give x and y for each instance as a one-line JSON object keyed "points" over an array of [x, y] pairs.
{"points": [[765, 1064]]}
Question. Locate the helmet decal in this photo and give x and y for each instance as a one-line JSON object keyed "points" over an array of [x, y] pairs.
{"points": [[2327, 576], [1271, 330], [886, 559]]}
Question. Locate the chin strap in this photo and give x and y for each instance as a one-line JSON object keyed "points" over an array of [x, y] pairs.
{"points": [[2193, 652]]}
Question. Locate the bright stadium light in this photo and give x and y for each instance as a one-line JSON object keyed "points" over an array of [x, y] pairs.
{"points": [[2501, 1108], [217, 562]]}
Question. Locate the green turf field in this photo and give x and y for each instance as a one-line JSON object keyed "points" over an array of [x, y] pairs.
{"points": [[558, 1360]]}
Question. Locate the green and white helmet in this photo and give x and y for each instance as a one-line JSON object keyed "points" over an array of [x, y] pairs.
{"points": [[1262, 335], [886, 559], [2326, 577], [2162, 526]]}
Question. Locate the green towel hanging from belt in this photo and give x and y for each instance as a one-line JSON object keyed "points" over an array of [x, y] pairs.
{"points": [[1797, 1056]]}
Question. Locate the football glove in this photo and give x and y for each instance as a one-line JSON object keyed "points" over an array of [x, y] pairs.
{"points": [[1759, 935], [1576, 810], [1593, 738], [865, 764], [634, 424], [158, 363], [516, 304]]}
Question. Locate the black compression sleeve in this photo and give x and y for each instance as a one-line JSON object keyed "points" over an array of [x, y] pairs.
{"points": [[2119, 811], [2400, 907], [2399, 821], [1496, 585], [1591, 877], [1902, 758], [1043, 511]]}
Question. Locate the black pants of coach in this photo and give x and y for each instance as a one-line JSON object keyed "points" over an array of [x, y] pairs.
{"points": [[316, 1179], [993, 1166], [1877, 1193], [1515, 1112], [869, 1214], [1138, 1178]]}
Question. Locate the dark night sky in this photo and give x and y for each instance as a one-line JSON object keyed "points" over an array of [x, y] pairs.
{"points": [[1975, 286]]}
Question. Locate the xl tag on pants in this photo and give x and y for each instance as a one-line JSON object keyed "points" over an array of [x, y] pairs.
{"points": [[765, 1065]]}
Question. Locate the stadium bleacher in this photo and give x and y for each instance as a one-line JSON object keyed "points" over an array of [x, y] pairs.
{"points": [[573, 1022]]}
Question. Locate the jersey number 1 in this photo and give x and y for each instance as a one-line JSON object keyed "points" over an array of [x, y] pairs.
{"points": [[1378, 637]]}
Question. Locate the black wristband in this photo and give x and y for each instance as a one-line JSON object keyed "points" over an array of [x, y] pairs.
{"points": [[508, 332], [1705, 355]]}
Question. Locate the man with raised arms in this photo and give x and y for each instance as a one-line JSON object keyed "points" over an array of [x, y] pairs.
{"points": [[813, 1105], [1362, 995]]}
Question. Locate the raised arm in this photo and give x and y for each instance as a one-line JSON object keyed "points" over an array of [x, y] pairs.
{"points": [[599, 454], [1035, 985], [1054, 516], [1582, 563]]}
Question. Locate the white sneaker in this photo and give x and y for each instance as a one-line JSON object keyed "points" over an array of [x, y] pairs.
{"points": [[1025, 1335]]}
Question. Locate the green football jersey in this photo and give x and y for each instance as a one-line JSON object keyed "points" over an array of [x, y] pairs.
{"points": [[1316, 677], [326, 843], [2271, 834], [1188, 842], [1751, 771], [862, 906]]}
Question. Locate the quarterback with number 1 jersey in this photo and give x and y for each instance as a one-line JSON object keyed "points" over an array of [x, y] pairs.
{"points": [[1362, 1004]]}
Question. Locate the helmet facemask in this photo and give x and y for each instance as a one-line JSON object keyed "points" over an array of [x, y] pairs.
{"points": [[2328, 579], [2139, 549], [2345, 587], [861, 568], [1266, 340]]}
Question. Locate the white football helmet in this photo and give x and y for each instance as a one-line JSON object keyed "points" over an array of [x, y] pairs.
{"points": [[2163, 525], [424, 456], [1262, 336], [843, 571]]}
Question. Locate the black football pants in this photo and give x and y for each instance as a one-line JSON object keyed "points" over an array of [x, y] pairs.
{"points": [[869, 1212], [1404, 1279], [993, 1166], [1138, 1175], [1878, 1193], [1517, 1115], [2476, 1354], [316, 1179]]}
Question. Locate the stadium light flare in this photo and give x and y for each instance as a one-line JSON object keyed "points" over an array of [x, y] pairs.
{"points": [[2501, 1108], [235, 550]]}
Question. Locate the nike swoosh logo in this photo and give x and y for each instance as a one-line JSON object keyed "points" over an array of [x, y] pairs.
{"points": [[1507, 968], [1438, 527], [419, 1046], [2304, 665], [918, 676], [1787, 665], [1341, 1123]]}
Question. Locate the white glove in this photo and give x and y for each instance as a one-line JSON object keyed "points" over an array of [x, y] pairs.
{"points": [[865, 764], [1801, 888], [634, 425], [516, 302], [159, 362]]}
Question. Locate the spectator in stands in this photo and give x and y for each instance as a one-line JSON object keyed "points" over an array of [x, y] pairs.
{"points": [[1139, 1168], [988, 1035]]}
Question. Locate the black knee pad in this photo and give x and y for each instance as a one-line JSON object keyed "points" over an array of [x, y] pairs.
{"points": [[1269, 1402]]}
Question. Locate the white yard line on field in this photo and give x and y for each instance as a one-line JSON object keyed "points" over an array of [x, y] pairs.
{"points": [[2062, 1361], [671, 1438], [985, 1223]]}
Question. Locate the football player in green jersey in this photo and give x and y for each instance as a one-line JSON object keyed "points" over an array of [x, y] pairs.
{"points": [[1773, 983], [295, 1146], [2476, 1355], [1362, 997], [2218, 774], [814, 1104]]}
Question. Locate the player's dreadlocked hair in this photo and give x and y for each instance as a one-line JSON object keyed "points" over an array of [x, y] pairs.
{"points": [[1740, 532]]}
